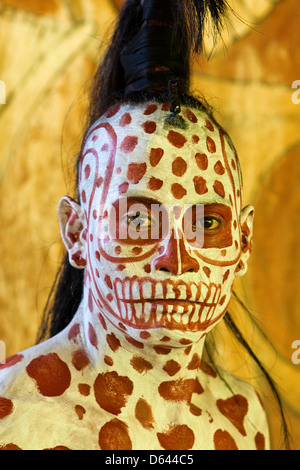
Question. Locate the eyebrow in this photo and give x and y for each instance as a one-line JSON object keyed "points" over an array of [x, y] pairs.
{"points": [[142, 199]]}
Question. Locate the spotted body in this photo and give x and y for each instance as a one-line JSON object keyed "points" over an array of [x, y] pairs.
{"points": [[128, 372]]}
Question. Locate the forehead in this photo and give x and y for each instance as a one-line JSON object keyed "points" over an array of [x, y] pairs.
{"points": [[194, 164]]}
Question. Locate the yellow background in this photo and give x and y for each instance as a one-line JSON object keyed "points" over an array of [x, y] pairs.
{"points": [[48, 53]]}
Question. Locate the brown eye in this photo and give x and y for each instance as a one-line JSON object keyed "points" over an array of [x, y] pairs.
{"points": [[207, 223], [140, 221]]}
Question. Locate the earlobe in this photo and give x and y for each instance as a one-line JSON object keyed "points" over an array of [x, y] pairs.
{"points": [[72, 227], [246, 224]]}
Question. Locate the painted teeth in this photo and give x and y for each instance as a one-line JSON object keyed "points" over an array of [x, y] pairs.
{"points": [[147, 314], [147, 290]]}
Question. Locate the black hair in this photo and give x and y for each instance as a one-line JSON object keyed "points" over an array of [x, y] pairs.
{"points": [[147, 60]]}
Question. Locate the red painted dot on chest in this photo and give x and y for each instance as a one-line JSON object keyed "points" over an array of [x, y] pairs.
{"points": [[235, 409], [140, 364], [80, 359], [6, 407], [143, 413], [84, 389], [224, 441], [260, 441], [113, 342], [51, 375], [180, 390], [80, 411], [114, 435], [74, 332], [177, 437], [171, 367], [112, 391], [136, 171]]}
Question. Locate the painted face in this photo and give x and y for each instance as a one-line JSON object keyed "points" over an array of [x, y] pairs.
{"points": [[163, 207]]}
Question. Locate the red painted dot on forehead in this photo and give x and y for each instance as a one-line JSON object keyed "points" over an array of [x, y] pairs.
{"points": [[200, 185], [190, 115], [155, 183], [87, 171], [166, 106], [123, 188], [155, 156], [178, 191], [209, 125], [151, 108], [125, 120], [149, 127], [210, 144], [136, 172], [179, 166], [219, 168], [129, 143], [176, 139], [202, 161], [112, 111], [219, 188]]}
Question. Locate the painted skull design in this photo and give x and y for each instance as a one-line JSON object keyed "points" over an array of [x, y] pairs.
{"points": [[162, 219]]}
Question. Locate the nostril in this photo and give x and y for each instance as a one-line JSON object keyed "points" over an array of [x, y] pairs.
{"points": [[164, 269]]}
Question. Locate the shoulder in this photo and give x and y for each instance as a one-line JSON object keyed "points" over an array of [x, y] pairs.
{"points": [[240, 402], [39, 371]]}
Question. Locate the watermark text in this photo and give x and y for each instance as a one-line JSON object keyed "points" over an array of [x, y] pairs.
{"points": [[2, 92], [296, 94], [2, 352]]}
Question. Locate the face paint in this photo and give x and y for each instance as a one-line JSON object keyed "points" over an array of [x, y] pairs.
{"points": [[143, 185]]}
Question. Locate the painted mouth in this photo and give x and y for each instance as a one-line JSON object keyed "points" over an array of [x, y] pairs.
{"points": [[145, 303]]}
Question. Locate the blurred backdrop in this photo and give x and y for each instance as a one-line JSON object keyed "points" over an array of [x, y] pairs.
{"points": [[48, 53]]}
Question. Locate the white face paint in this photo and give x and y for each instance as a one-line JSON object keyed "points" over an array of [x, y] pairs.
{"points": [[138, 174]]}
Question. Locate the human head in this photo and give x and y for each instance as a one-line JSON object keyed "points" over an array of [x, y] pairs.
{"points": [[133, 154]]}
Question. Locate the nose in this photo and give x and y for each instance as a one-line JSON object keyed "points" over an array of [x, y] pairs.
{"points": [[175, 259]]}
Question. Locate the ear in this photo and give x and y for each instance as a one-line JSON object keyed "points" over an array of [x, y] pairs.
{"points": [[72, 228], [246, 223]]}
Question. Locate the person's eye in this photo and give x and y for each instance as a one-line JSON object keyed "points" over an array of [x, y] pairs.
{"points": [[139, 220], [208, 223]]}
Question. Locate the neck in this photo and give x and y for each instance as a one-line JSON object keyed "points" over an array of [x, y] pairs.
{"points": [[110, 348]]}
